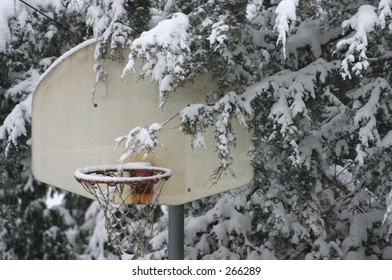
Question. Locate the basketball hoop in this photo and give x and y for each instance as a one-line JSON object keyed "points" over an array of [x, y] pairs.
{"points": [[128, 195]]}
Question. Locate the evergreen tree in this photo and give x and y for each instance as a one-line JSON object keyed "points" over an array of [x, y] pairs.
{"points": [[313, 90]]}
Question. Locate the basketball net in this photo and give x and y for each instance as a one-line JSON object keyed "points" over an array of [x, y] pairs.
{"points": [[128, 195]]}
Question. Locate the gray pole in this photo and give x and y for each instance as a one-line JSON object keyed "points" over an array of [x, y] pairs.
{"points": [[176, 232]]}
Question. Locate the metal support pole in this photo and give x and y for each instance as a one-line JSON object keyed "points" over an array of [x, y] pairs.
{"points": [[176, 232]]}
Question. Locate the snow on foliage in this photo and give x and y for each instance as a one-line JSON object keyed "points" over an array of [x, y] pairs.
{"points": [[384, 8], [109, 26], [6, 12], [370, 101], [26, 85], [11, 8], [16, 123], [164, 48], [363, 22], [321, 144], [139, 141], [196, 118], [285, 12], [98, 238]]}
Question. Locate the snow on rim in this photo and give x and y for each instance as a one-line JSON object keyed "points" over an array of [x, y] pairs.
{"points": [[85, 174]]}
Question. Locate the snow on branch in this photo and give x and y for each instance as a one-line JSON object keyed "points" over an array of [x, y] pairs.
{"points": [[285, 13], [139, 141], [370, 101], [16, 123], [294, 86], [25, 86], [109, 26], [384, 8], [363, 22], [196, 118], [288, 93], [388, 213], [165, 49]]}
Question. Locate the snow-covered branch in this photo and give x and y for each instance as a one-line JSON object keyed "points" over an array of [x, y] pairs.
{"points": [[363, 22], [196, 118], [16, 124], [139, 141], [286, 13], [165, 49], [384, 8], [113, 25], [371, 101], [25, 86]]}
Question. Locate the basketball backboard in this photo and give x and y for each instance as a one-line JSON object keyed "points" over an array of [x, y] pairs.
{"points": [[68, 132]]}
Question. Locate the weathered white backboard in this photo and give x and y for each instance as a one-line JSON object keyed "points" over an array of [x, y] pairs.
{"points": [[68, 132]]}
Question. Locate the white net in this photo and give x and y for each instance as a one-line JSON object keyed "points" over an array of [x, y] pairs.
{"points": [[128, 195]]}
